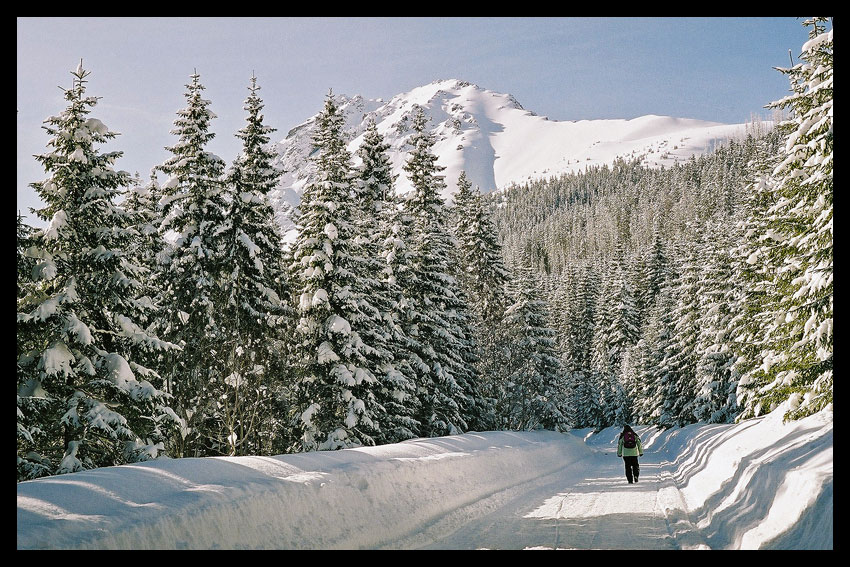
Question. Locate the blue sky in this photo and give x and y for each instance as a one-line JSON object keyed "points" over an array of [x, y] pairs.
{"points": [[717, 69]]}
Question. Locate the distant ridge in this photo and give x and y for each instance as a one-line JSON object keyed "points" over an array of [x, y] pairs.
{"points": [[495, 140]]}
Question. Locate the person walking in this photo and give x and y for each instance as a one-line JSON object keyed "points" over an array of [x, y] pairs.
{"points": [[630, 448]]}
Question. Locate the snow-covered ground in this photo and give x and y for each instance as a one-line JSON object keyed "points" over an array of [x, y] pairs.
{"points": [[758, 484]]}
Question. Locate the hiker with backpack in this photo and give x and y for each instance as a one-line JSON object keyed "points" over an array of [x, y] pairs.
{"points": [[630, 448]]}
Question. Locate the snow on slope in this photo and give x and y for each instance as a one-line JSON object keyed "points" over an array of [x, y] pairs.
{"points": [[497, 141], [758, 484]]}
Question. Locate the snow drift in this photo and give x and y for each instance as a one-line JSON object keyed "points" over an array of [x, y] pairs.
{"points": [[753, 485]]}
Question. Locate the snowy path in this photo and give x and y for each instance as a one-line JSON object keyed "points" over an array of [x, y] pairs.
{"points": [[586, 505]]}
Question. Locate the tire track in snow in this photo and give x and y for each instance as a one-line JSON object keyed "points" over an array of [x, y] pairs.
{"points": [[585, 505]]}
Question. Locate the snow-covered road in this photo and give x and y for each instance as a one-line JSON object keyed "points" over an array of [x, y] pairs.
{"points": [[586, 505], [758, 484]]}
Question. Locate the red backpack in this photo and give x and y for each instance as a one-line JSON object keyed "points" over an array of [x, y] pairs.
{"points": [[629, 439]]}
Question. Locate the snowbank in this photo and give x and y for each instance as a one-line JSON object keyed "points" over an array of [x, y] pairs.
{"points": [[758, 484], [754, 485], [355, 498]]}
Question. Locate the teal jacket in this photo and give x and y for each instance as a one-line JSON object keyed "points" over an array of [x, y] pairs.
{"points": [[636, 451]]}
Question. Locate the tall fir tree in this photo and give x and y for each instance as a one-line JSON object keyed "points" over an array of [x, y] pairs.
{"points": [[797, 338], [654, 273], [484, 279], [383, 255], [254, 290], [752, 269], [586, 404], [194, 209], [83, 399], [615, 332], [534, 395], [141, 204], [681, 357], [335, 403], [663, 395], [447, 379], [716, 377], [659, 375]]}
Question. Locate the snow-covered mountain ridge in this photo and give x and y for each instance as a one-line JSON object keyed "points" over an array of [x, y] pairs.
{"points": [[495, 140]]}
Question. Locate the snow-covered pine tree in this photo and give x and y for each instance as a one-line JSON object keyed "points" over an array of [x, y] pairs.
{"points": [[797, 341], [659, 404], [83, 399], [30, 465], [637, 379], [578, 348], [256, 316], [753, 268], [483, 270], [534, 395], [193, 211], [334, 400], [625, 326], [484, 278], [603, 369], [441, 326], [383, 257], [572, 305], [654, 273], [399, 256], [716, 378], [682, 357], [146, 245], [141, 204], [616, 331]]}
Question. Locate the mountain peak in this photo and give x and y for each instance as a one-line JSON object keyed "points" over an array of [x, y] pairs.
{"points": [[495, 140]]}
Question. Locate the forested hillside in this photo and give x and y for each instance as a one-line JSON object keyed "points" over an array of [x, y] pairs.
{"points": [[644, 275], [701, 292]]}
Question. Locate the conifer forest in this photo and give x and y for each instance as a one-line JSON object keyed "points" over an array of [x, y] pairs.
{"points": [[166, 315]]}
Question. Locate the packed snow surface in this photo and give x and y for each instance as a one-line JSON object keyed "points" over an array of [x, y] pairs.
{"points": [[757, 484]]}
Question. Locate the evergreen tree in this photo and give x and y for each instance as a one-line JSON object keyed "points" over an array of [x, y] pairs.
{"points": [[533, 394], [255, 313], [615, 332], [660, 404], [637, 373], [716, 379], [30, 465], [193, 211], [797, 340], [752, 269], [141, 203], [654, 273], [447, 380], [383, 255], [334, 398], [83, 399], [484, 279], [681, 357], [576, 345]]}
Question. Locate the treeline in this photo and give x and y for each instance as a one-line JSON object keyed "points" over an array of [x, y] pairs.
{"points": [[167, 317]]}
